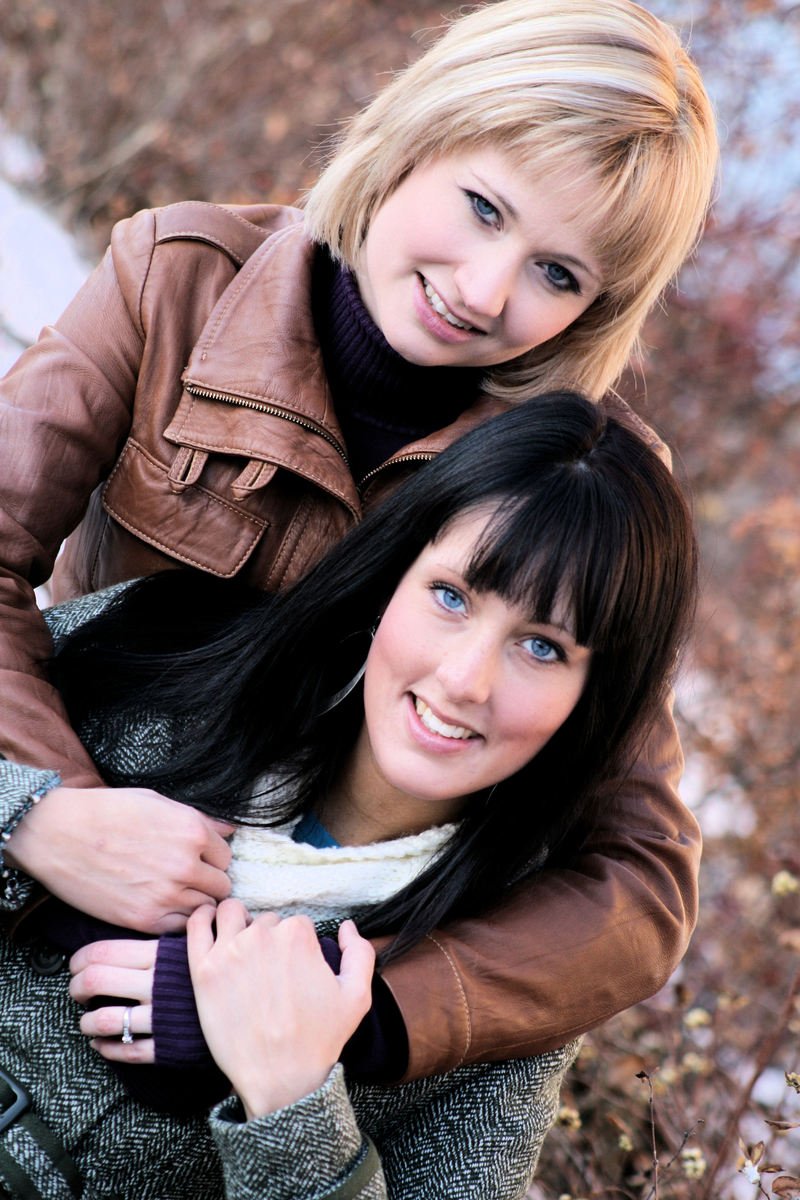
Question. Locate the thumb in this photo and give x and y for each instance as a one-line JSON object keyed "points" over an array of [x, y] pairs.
{"points": [[357, 967]]}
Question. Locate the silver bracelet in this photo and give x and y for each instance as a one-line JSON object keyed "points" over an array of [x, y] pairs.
{"points": [[28, 803]]}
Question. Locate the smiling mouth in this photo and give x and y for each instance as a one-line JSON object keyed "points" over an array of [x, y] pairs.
{"points": [[438, 305], [431, 722]]}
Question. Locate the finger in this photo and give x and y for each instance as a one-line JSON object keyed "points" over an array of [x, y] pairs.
{"points": [[109, 1022], [211, 880], [142, 1050], [349, 937], [232, 918], [137, 954], [269, 919], [216, 851], [173, 922], [203, 885], [200, 932], [101, 980], [224, 828]]}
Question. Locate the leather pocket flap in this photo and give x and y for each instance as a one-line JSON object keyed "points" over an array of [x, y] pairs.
{"points": [[192, 525]]}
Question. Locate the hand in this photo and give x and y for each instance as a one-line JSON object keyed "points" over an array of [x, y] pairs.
{"points": [[274, 1015], [123, 968], [126, 855]]}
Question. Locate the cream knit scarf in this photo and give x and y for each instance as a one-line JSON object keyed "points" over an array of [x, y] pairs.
{"points": [[271, 872]]}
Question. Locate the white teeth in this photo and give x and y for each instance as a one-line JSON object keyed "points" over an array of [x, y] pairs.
{"points": [[432, 722], [438, 305]]}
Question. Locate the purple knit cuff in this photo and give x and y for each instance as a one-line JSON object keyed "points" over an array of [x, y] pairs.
{"points": [[179, 1040], [377, 1050]]}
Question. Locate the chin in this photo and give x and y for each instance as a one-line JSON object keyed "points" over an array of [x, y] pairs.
{"points": [[415, 354]]}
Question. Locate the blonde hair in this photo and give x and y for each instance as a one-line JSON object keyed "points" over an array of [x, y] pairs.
{"points": [[598, 86]]}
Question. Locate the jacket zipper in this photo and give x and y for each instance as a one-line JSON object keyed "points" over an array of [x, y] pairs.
{"points": [[260, 406], [419, 456]]}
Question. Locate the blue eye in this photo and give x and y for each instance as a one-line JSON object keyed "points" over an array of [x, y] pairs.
{"points": [[560, 278], [448, 597], [542, 650], [483, 209]]}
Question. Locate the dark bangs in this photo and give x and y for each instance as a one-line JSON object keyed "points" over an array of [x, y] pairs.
{"points": [[567, 553]]}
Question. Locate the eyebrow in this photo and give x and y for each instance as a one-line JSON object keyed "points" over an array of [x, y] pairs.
{"points": [[570, 633], [514, 214]]}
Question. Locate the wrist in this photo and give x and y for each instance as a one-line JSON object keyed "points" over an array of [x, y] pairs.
{"points": [[259, 1097], [9, 858]]}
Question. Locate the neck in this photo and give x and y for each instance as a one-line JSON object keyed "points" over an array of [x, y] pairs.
{"points": [[382, 402], [362, 807]]}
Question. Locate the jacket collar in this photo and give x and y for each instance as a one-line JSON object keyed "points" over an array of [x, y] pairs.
{"points": [[259, 343], [255, 377]]}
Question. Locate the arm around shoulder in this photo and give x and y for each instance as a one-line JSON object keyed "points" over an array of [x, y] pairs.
{"points": [[65, 409]]}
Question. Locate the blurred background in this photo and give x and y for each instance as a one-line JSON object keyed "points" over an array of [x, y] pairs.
{"points": [[107, 108]]}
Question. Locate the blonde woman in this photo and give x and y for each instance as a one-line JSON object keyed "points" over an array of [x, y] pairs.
{"points": [[234, 387]]}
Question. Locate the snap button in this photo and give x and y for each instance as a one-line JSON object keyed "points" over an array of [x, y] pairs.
{"points": [[46, 959]]}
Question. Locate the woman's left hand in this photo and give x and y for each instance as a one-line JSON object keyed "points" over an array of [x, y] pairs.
{"points": [[117, 968], [274, 1015]]}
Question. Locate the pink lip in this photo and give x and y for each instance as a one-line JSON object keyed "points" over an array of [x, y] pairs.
{"points": [[435, 323], [435, 742]]}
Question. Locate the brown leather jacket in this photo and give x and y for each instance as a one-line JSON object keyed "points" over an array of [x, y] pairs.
{"points": [[178, 412]]}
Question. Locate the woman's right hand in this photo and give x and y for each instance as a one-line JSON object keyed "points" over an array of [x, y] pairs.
{"points": [[126, 855], [274, 1015]]}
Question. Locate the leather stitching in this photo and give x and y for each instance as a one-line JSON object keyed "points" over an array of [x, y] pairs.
{"points": [[462, 993]]}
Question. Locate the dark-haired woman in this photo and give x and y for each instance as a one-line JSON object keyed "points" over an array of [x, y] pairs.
{"points": [[527, 593]]}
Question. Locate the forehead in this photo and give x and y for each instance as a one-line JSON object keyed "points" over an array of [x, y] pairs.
{"points": [[548, 197], [498, 558], [456, 543]]}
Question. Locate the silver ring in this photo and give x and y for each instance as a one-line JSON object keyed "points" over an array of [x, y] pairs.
{"points": [[127, 1036]]}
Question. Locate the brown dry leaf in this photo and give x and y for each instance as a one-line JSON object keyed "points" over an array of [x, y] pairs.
{"points": [[782, 1126]]}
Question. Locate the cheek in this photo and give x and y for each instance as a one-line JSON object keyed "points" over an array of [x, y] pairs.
{"points": [[389, 656], [533, 719], [541, 317]]}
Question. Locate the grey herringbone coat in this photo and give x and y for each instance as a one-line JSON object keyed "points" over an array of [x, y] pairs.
{"points": [[475, 1132]]}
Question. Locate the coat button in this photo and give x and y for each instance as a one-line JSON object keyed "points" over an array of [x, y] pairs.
{"points": [[46, 959]]}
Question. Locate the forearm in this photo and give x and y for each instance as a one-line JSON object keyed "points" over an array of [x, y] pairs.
{"points": [[573, 946], [65, 407], [34, 727]]}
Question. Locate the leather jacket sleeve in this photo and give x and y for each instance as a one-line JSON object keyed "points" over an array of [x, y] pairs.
{"points": [[574, 946], [65, 409]]}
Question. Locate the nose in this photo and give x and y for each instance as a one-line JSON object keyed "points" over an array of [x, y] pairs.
{"points": [[466, 671], [486, 281]]}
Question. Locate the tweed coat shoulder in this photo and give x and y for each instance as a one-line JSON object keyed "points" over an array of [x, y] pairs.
{"points": [[474, 1132]]}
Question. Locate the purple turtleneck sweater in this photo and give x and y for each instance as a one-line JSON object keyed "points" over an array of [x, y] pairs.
{"points": [[383, 403]]}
